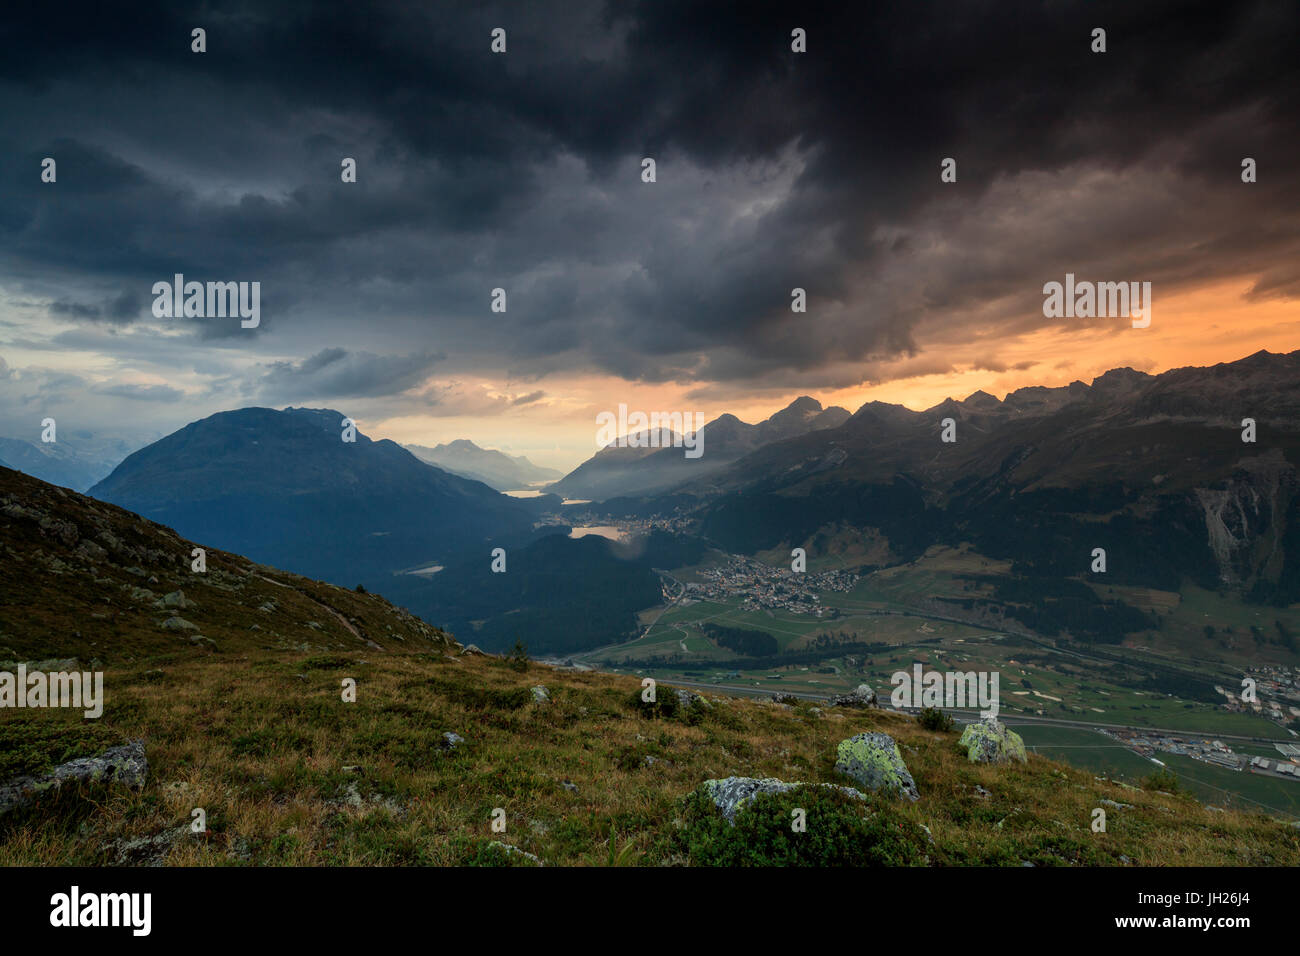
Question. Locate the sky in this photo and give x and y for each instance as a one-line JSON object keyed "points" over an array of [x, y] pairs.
{"points": [[523, 171]]}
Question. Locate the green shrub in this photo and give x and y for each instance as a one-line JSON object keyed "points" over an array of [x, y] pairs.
{"points": [[517, 659], [840, 831], [932, 718], [664, 705], [1163, 779]]}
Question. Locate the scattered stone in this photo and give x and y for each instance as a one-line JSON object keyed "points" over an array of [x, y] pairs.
{"points": [[873, 760], [570, 786], [125, 765], [541, 694], [178, 624], [991, 741], [1116, 805], [451, 741], [268, 605], [730, 794], [469, 650], [649, 761], [982, 793]]}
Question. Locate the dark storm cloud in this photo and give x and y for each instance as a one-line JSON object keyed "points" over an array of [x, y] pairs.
{"points": [[521, 171], [337, 372]]}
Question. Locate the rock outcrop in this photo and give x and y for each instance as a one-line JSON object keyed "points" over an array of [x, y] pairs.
{"points": [[124, 765], [863, 696]]}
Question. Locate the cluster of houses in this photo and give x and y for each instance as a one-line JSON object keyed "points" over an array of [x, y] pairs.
{"points": [[766, 588], [1271, 690]]}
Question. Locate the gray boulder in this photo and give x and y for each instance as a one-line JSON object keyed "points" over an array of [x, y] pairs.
{"points": [[176, 599]]}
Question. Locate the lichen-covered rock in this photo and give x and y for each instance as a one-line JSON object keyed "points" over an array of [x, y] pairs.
{"points": [[730, 794], [125, 765], [686, 699], [991, 741], [541, 694], [873, 760], [863, 696]]}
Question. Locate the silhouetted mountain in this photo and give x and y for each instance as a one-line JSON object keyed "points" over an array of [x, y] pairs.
{"points": [[494, 468], [284, 488], [624, 471]]}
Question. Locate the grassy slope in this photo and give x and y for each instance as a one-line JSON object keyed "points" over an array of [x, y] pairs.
{"points": [[264, 751], [80, 578]]}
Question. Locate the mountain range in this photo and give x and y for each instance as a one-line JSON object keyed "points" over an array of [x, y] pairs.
{"points": [[627, 470], [494, 468], [77, 461], [1152, 468]]}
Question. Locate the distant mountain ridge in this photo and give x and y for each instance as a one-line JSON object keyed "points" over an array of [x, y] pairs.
{"points": [[1152, 468], [75, 462], [488, 465], [624, 471], [284, 488]]}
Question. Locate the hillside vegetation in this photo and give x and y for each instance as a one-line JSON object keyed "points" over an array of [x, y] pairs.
{"points": [[287, 773]]}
